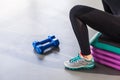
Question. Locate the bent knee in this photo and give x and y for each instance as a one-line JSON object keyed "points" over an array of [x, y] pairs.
{"points": [[75, 9], [80, 10]]}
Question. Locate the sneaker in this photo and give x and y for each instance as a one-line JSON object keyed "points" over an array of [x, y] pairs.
{"points": [[78, 63]]}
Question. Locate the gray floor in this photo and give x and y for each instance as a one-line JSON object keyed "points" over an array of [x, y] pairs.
{"points": [[23, 21]]}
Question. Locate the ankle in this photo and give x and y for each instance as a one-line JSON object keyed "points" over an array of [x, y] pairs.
{"points": [[87, 57]]}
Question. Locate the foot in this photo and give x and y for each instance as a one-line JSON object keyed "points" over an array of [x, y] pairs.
{"points": [[79, 62]]}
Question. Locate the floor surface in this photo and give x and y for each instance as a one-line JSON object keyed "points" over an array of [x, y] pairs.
{"points": [[24, 21]]}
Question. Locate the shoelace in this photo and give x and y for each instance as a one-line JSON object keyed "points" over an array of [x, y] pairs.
{"points": [[75, 59]]}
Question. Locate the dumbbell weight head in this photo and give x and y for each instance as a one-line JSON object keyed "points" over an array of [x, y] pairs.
{"points": [[35, 43], [55, 42], [51, 37], [39, 49]]}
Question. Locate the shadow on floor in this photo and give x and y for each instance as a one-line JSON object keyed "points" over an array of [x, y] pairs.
{"points": [[101, 69], [47, 52]]}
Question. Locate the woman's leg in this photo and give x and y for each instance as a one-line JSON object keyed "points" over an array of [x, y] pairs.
{"points": [[80, 16]]}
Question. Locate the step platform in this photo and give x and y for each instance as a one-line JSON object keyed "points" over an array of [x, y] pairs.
{"points": [[106, 58], [102, 42]]}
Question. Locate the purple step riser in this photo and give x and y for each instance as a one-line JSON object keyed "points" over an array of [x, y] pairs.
{"points": [[107, 63], [106, 53], [108, 59]]}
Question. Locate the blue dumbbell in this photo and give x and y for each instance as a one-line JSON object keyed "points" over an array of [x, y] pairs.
{"points": [[40, 48], [49, 39]]}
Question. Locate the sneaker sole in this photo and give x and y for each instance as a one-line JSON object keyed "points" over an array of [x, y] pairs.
{"points": [[81, 68]]}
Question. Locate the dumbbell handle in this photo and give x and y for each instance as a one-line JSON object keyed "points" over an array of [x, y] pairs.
{"points": [[40, 48], [44, 41], [48, 45], [49, 39]]}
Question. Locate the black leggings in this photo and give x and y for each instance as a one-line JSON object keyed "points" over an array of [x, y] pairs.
{"points": [[107, 24]]}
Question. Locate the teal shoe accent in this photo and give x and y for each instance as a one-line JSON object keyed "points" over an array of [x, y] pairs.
{"points": [[75, 59]]}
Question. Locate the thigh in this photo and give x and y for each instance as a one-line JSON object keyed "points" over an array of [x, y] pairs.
{"points": [[101, 21]]}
